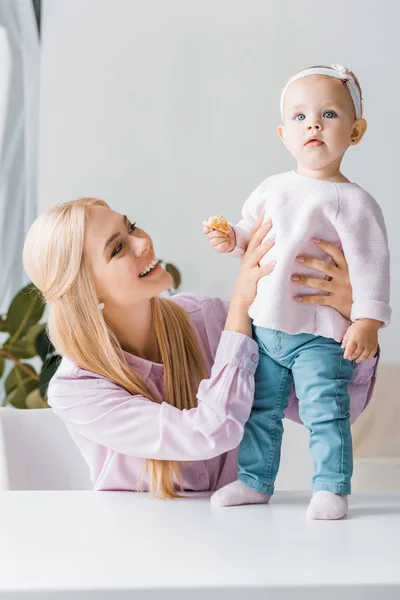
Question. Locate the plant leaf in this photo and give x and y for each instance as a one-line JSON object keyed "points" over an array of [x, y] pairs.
{"points": [[18, 385], [176, 276], [2, 361], [50, 368], [35, 400], [43, 346], [26, 309], [20, 348], [25, 346], [3, 323]]}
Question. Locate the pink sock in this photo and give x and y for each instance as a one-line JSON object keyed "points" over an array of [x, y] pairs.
{"points": [[327, 505], [236, 493]]}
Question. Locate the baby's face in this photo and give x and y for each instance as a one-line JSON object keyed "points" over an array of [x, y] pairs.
{"points": [[319, 106]]}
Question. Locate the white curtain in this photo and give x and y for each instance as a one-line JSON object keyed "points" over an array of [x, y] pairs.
{"points": [[18, 146]]}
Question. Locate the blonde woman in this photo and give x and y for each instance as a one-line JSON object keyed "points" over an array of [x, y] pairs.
{"points": [[154, 391]]}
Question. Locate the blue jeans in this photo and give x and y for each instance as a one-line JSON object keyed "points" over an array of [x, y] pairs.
{"points": [[321, 376]]}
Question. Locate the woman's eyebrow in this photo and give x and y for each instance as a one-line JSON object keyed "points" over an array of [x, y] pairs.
{"points": [[114, 235]]}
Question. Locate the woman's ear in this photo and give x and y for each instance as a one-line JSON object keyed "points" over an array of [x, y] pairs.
{"points": [[359, 128]]}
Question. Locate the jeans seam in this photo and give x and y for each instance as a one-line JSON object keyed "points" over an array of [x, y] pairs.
{"points": [[339, 417], [272, 453], [339, 420]]}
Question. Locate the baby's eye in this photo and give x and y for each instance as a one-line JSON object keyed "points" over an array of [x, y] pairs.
{"points": [[300, 117], [330, 114]]}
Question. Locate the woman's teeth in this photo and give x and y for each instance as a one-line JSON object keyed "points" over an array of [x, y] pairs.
{"points": [[149, 268]]}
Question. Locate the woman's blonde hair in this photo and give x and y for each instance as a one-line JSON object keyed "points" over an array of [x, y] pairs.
{"points": [[54, 260]]}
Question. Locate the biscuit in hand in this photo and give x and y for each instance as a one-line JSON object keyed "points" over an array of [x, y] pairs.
{"points": [[218, 222]]}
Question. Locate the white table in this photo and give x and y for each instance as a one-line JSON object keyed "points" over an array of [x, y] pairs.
{"points": [[125, 545]]}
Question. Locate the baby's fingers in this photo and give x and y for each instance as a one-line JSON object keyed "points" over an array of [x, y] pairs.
{"points": [[222, 247], [345, 340], [351, 350], [364, 354], [217, 241]]}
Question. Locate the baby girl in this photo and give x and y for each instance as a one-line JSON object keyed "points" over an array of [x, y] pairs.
{"points": [[312, 347]]}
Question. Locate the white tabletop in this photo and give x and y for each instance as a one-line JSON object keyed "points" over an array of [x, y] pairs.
{"points": [[119, 545]]}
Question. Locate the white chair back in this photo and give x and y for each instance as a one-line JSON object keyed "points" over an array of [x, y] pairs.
{"points": [[37, 453]]}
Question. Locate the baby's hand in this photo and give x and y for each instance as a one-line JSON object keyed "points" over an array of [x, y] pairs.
{"points": [[361, 340], [222, 242]]}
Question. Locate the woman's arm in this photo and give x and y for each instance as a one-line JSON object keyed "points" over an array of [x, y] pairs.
{"points": [[108, 415], [338, 287], [250, 272]]}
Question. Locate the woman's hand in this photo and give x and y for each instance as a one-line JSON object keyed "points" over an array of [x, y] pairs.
{"points": [[338, 286], [250, 270], [249, 274]]}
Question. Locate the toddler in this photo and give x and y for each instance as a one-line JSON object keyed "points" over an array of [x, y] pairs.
{"points": [[312, 346]]}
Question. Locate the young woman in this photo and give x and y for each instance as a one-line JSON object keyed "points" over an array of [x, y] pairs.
{"points": [[154, 391]]}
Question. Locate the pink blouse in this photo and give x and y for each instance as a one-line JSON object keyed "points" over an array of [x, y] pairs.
{"points": [[116, 431]]}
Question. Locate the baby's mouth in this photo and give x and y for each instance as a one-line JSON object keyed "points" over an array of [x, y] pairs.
{"points": [[314, 142]]}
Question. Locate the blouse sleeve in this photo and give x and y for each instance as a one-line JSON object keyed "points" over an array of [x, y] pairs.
{"points": [[108, 415]]}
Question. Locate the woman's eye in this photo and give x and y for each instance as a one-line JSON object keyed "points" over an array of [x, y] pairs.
{"points": [[300, 117], [116, 250], [329, 114], [119, 247]]}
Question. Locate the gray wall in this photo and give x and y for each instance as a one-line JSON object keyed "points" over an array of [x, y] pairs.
{"points": [[168, 110]]}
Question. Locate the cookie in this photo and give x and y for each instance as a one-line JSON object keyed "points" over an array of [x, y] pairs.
{"points": [[218, 222]]}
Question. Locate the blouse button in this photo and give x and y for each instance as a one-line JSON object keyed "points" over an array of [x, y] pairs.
{"points": [[254, 358], [202, 477]]}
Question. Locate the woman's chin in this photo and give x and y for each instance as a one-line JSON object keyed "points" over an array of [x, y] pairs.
{"points": [[163, 281]]}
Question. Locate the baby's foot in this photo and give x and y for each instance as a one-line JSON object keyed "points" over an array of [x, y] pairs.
{"points": [[327, 505], [236, 493]]}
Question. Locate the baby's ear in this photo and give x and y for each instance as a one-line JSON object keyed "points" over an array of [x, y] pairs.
{"points": [[281, 132], [359, 128]]}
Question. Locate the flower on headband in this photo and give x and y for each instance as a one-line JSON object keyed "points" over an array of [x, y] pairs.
{"points": [[344, 72]]}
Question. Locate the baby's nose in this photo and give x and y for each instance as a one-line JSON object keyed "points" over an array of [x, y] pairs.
{"points": [[317, 126]]}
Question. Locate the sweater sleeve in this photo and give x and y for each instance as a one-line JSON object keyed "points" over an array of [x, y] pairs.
{"points": [[362, 231], [250, 212], [108, 415]]}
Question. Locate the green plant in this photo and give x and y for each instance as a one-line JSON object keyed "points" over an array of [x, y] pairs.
{"points": [[176, 276], [26, 387]]}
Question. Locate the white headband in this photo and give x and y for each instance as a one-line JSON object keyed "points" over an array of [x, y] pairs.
{"points": [[339, 72]]}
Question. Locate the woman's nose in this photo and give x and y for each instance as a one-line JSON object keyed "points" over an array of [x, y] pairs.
{"points": [[142, 246]]}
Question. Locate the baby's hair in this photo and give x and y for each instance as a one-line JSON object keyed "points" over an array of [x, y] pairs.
{"points": [[344, 83]]}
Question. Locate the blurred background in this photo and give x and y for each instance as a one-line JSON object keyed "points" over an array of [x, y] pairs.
{"points": [[168, 110]]}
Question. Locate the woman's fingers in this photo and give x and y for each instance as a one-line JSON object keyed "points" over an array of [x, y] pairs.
{"points": [[318, 265], [258, 233], [265, 269], [315, 299], [333, 252], [260, 251], [313, 282]]}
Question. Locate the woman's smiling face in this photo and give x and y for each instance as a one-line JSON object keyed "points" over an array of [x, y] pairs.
{"points": [[122, 260]]}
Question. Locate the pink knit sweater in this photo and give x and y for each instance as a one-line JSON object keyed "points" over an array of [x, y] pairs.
{"points": [[302, 208]]}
